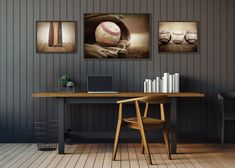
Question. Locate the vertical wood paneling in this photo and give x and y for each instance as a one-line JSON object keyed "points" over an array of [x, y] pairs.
{"points": [[163, 17], [30, 60], [233, 43], [204, 58], [9, 69], [196, 72], [3, 65], [23, 71], [230, 36], [156, 55], [16, 75], [217, 57], [149, 8], [170, 16], [210, 58], [23, 66], [223, 46], [189, 117]]}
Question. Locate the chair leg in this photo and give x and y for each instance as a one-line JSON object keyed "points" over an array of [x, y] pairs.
{"points": [[119, 124], [145, 144], [145, 115], [167, 143], [222, 134], [142, 147], [141, 129]]}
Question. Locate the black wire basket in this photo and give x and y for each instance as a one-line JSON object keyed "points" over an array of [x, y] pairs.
{"points": [[46, 135]]}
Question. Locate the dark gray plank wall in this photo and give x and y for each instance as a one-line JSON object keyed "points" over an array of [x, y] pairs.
{"points": [[23, 71]]}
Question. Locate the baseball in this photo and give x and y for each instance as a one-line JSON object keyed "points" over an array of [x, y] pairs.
{"points": [[108, 33]]}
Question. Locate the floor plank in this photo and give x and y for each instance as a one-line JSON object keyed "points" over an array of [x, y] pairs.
{"points": [[65, 160], [83, 158], [100, 156], [117, 162], [19, 156], [128, 156], [29, 158], [92, 156], [57, 159], [75, 157], [10, 150], [156, 155], [142, 159], [125, 162], [132, 156], [108, 156]]}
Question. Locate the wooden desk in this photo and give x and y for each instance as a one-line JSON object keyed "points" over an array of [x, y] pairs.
{"points": [[111, 98]]}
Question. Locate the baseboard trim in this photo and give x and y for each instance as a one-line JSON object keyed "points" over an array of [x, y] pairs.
{"points": [[106, 137]]}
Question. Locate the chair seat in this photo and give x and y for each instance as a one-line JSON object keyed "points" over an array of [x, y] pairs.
{"points": [[147, 122]]}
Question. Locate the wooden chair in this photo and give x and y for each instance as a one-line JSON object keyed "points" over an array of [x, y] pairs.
{"points": [[142, 123], [225, 114]]}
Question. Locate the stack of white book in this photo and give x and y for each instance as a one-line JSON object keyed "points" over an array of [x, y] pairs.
{"points": [[169, 83]]}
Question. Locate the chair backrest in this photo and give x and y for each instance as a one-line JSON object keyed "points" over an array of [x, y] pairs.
{"points": [[228, 95], [226, 100], [154, 99]]}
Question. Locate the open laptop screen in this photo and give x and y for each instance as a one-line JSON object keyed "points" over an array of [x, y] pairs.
{"points": [[99, 83]]}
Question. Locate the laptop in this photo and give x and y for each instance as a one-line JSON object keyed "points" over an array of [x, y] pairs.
{"points": [[100, 84]]}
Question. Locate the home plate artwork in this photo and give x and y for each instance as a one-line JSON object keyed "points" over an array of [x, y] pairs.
{"points": [[178, 37], [124, 36]]}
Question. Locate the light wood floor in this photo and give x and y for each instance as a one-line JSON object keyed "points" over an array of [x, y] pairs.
{"points": [[99, 156]]}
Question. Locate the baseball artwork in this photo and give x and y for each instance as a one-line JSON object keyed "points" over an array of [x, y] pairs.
{"points": [[120, 36], [178, 37], [56, 36]]}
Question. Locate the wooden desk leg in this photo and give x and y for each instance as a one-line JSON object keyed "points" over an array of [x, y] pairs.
{"points": [[61, 125], [173, 124]]}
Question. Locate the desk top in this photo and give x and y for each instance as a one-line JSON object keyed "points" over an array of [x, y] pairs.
{"points": [[120, 94]]}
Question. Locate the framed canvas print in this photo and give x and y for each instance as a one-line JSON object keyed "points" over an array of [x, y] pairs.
{"points": [[178, 37], [56, 36], [116, 36]]}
